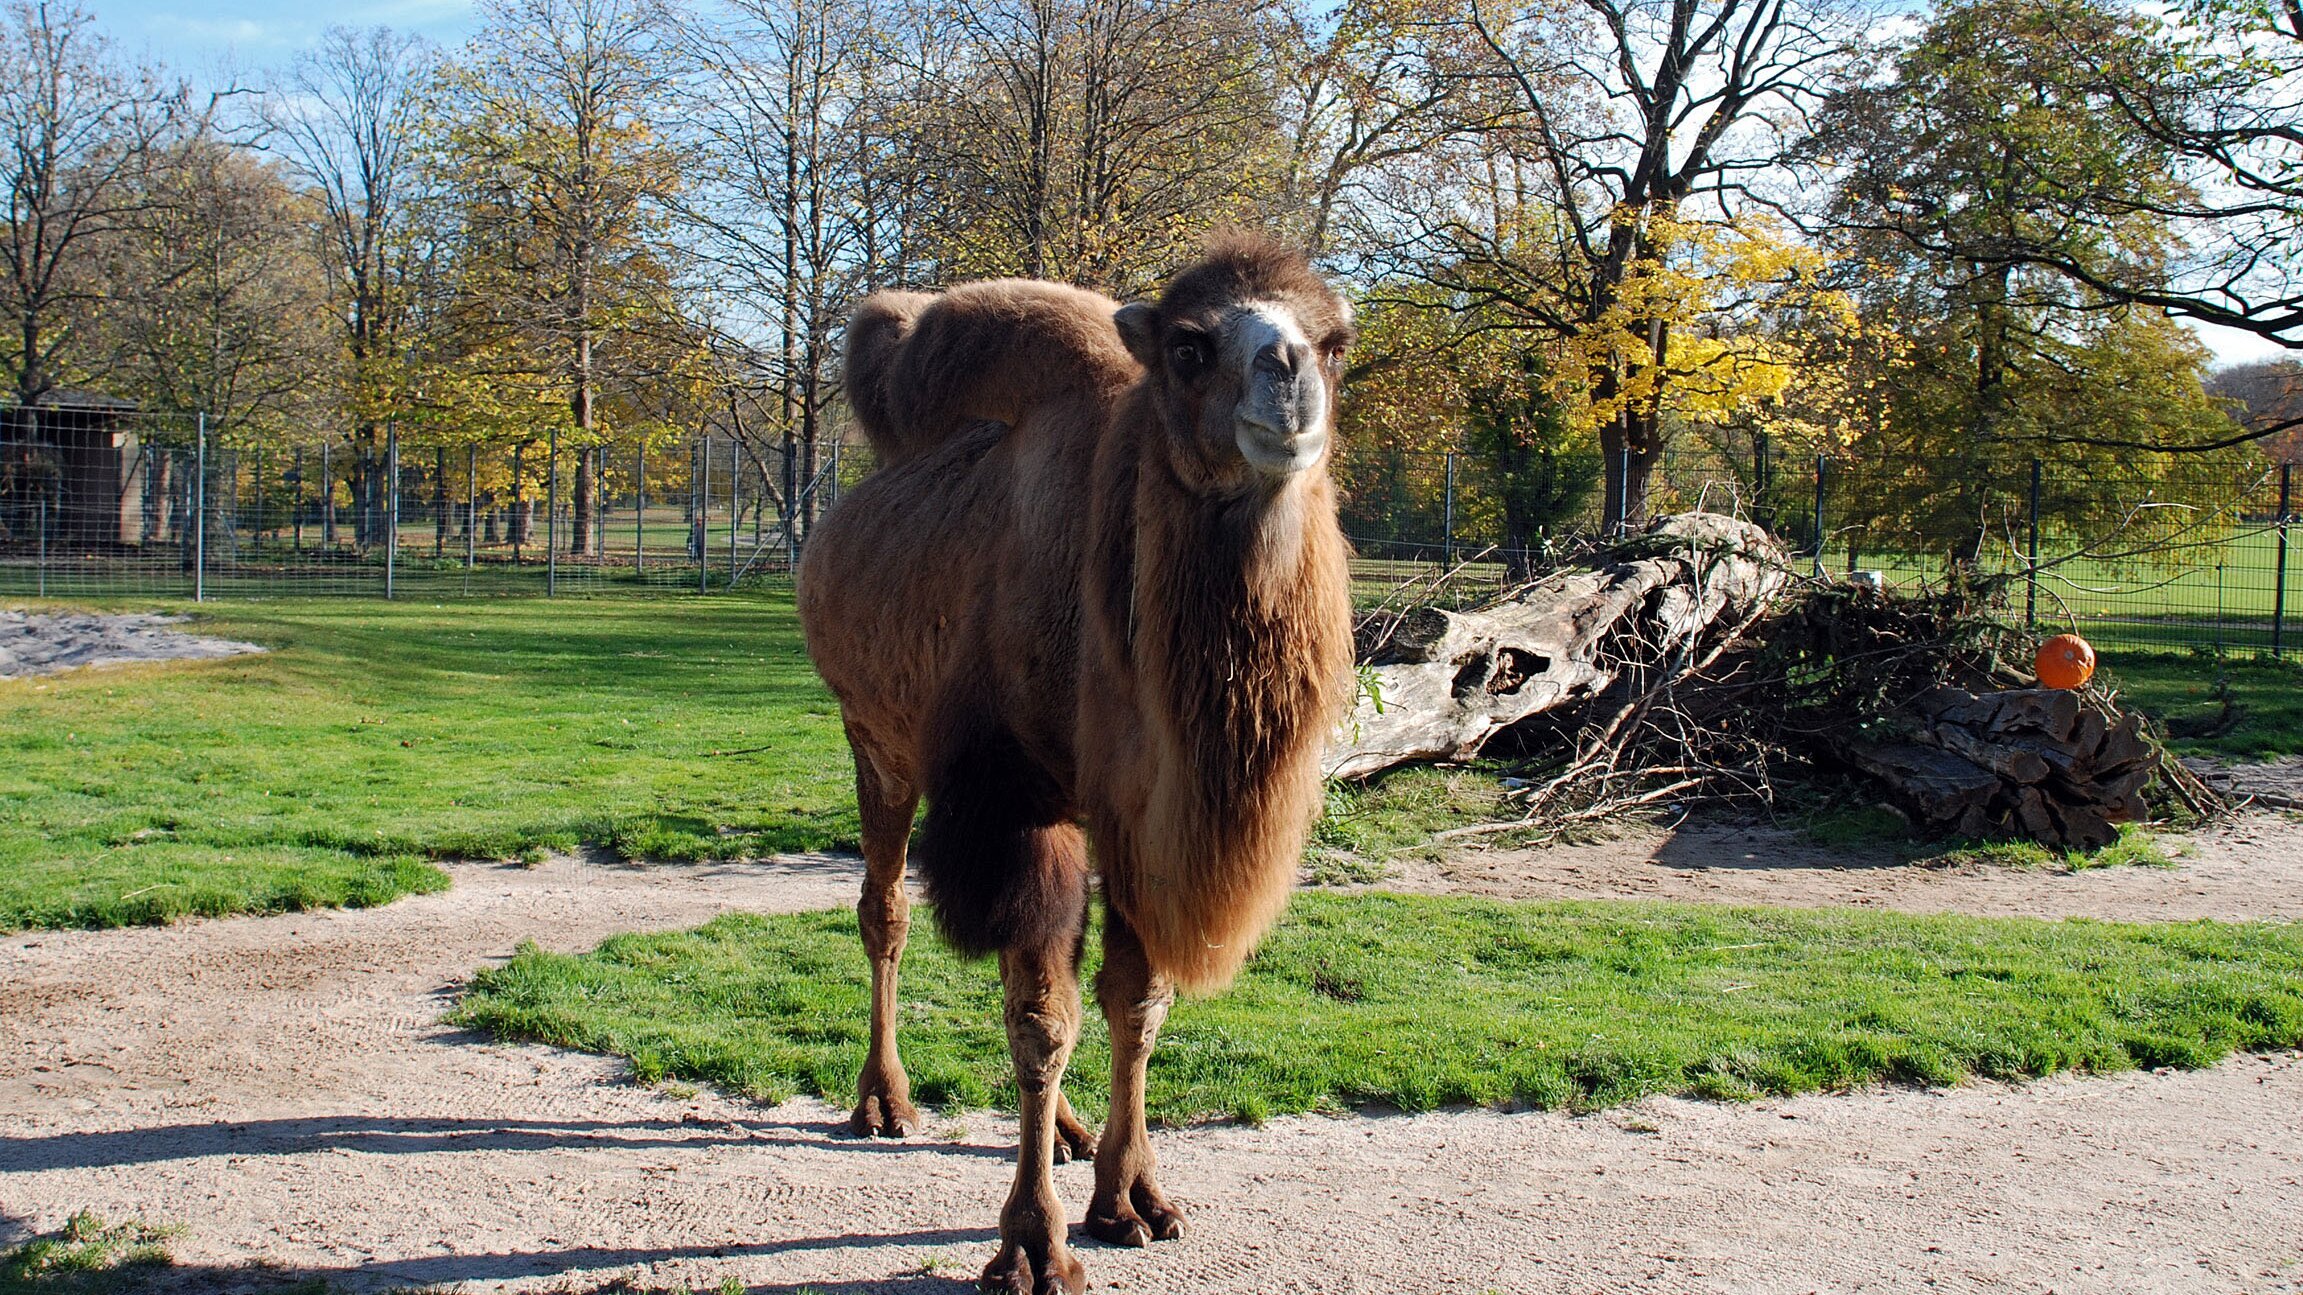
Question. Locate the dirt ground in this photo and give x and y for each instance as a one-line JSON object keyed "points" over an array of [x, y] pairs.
{"points": [[282, 1089]]}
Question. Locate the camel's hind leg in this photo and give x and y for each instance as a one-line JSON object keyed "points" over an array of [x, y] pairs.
{"points": [[883, 1092], [1041, 978], [1128, 1208]]}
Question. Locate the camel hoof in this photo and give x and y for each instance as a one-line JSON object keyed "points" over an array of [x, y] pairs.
{"points": [[1073, 1141], [1013, 1271], [1149, 1218], [880, 1116]]}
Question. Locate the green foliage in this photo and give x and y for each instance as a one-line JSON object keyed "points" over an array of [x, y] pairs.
{"points": [[379, 735], [1545, 471], [89, 1257], [1364, 826], [1417, 1002]]}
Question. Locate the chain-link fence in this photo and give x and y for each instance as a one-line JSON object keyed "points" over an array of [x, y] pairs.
{"points": [[99, 500]]}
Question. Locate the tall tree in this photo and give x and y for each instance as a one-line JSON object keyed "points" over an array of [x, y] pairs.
{"points": [[1093, 141], [562, 181], [347, 118], [214, 293], [1977, 151], [2217, 85], [1632, 123], [784, 166]]}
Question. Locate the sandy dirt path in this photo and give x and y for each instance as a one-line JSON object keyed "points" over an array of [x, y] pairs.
{"points": [[282, 1088]]}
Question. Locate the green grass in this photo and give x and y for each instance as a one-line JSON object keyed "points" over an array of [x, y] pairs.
{"points": [[377, 736], [1364, 827], [1418, 1002], [89, 1255], [1870, 825], [2187, 693]]}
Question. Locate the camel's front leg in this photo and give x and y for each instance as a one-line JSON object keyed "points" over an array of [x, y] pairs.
{"points": [[883, 1091], [1128, 1208], [1043, 1020]]}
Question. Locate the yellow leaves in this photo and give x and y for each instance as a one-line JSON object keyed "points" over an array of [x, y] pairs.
{"points": [[1715, 378]]}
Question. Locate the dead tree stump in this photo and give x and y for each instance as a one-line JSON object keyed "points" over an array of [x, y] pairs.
{"points": [[2046, 763]]}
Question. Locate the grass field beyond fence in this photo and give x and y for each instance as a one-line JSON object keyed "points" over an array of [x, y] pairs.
{"points": [[1419, 1002]]}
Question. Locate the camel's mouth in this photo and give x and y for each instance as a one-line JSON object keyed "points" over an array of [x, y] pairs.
{"points": [[1273, 451]]}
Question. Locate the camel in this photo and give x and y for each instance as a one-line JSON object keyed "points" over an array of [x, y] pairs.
{"points": [[1095, 583]]}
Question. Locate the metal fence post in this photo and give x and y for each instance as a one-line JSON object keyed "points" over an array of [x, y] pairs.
{"points": [[640, 511], [1447, 524], [2031, 563], [391, 508], [1820, 463], [735, 501], [2279, 591], [471, 511], [43, 527], [552, 518], [701, 494], [327, 500], [200, 510]]}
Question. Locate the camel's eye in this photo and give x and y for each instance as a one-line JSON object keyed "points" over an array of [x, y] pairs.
{"points": [[1189, 351], [1332, 357]]}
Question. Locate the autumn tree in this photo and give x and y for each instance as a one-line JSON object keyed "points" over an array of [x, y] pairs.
{"points": [[214, 290], [1976, 147], [78, 128], [1631, 123], [2216, 87], [548, 150]]}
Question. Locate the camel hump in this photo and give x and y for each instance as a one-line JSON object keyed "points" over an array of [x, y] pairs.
{"points": [[921, 366]]}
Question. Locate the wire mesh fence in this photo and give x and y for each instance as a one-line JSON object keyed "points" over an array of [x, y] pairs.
{"points": [[2150, 551], [100, 501]]}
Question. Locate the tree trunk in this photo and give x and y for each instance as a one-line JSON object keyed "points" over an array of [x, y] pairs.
{"points": [[1440, 684]]}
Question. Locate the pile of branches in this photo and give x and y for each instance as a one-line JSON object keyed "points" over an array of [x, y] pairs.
{"points": [[1694, 663]]}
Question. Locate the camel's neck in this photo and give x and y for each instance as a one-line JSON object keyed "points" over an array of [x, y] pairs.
{"points": [[1245, 634], [1242, 659]]}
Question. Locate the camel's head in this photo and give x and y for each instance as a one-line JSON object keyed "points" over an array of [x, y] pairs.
{"points": [[1243, 353]]}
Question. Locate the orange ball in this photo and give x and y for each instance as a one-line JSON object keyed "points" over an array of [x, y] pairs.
{"points": [[2065, 661]]}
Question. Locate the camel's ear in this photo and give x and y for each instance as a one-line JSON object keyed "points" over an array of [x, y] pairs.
{"points": [[1139, 331]]}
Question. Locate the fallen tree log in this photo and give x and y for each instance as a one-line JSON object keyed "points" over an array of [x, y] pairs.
{"points": [[1437, 685]]}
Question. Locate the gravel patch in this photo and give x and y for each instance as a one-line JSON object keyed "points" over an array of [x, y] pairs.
{"points": [[45, 643]]}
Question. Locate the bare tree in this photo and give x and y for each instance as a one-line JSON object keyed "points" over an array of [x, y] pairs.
{"points": [[1090, 140], [781, 201], [347, 118], [216, 289], [77, 129]]}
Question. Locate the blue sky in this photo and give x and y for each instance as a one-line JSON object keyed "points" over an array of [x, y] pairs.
{"points": [[201, 37]]}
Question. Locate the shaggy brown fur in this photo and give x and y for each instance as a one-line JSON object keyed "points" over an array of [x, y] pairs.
{"points": [[1072, 594]]}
